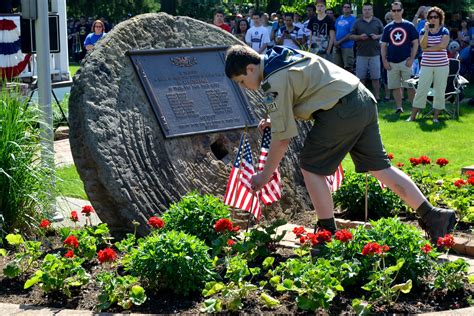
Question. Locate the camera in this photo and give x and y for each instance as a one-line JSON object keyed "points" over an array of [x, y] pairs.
{"points": [[431, 26]]}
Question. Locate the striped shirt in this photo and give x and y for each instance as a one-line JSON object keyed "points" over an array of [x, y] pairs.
{"points": [[438, 58]]}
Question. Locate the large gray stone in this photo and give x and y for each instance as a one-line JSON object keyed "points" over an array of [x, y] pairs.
{"points": [[129, 169]]}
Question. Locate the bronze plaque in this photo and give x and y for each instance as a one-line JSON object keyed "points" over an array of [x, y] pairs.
{"points": [[189, 91]]}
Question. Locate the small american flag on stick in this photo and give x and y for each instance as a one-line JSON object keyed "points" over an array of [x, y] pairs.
{"points": [[271, 192], [238, 193], [335, 181]]}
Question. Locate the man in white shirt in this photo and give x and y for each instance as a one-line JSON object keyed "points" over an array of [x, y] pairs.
{"points": [[257, 36]]}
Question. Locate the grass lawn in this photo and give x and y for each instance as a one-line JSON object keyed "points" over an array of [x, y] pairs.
{"points": [[450, 139], [69, 184], [73, 68]]}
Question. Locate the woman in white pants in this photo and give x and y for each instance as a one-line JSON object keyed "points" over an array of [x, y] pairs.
{"points": [[434, 39]]}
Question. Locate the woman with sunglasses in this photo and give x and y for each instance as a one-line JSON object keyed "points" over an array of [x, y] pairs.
{"points": [[434, 39], [98, 30]]}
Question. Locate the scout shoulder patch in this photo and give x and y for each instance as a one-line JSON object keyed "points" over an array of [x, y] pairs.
{"points": [[269, 100]]}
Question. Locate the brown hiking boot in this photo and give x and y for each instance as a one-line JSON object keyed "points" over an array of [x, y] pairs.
{"points": [[437, 223]]}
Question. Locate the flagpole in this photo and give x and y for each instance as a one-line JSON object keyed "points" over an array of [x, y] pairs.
{"points": [[366, 197]]}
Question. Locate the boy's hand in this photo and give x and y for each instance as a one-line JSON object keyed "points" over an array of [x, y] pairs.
{"points": [[258, 182], [263, 124]]}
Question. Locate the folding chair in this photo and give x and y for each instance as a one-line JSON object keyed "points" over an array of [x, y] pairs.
{"points": [[454, 89]]}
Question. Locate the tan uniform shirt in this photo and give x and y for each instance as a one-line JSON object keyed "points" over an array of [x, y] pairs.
{"points": [[296, 91]]}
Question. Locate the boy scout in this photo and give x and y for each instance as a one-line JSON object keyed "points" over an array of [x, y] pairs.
{"points": [[300, 85]]}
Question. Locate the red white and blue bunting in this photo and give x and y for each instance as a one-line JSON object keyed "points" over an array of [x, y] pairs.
{"points": [[12, 60]]}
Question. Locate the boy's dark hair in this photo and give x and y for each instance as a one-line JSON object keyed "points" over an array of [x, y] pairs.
{"points": [[367, 4], [290, 15], [237, 59], [312, 6], [257, 13]]}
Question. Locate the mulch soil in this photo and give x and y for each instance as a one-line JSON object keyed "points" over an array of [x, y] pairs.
{"points": [[164, 302]]}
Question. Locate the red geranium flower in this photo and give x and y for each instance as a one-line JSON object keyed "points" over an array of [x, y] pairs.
{"points": [[459, 183], [470, 173], [442, 162], [44, 224], [298, 231], [447, 241], [236, 228], [343, 235], [230, 242], [373, 248], [302, 239], [156, 222], [313, 238], [414, 161], [323, 236], [390, 156], [424, 160], [400, 164], [426, 248], [87, 210], [69, 254], [74, 217], [71, 241], [471, 180], [223, 225], [106, 255]]}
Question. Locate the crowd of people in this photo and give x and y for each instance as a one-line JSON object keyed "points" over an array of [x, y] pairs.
{"points": [[381, 53]]}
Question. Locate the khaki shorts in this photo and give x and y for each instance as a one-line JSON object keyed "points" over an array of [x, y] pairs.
{"points": [[344, 58], [351, 126], [398, 75]]}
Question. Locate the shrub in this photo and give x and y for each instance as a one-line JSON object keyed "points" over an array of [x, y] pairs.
{"points": [[351, 198], [24, 179], [196, 214], [171, 260]]}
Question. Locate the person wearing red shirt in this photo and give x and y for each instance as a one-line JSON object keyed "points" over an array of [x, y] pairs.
{"points": [[219, 20]]}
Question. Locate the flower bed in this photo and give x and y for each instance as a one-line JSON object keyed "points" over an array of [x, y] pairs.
{"points": [[389, 268]]}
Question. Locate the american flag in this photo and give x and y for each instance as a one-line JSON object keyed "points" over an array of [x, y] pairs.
{"points": [[271, 192], [238, 193], [383, 186], [335, 181]]}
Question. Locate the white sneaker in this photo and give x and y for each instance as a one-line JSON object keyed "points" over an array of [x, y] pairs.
{"points": [[435, 121]]}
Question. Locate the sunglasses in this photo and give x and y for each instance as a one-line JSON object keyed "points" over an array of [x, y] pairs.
{"points": [[396, 10], [433, 17]]}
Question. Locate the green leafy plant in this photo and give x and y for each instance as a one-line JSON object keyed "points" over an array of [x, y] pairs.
{"points": [[59, 274], [261, 241], [90, 238], [314, 284], [381, 281], [171, 260], [126, 244], [26, 255], [350, 197], [451, 275], [229, 295], [196, 214], [405, 242], [125, 291], [24, 181]]}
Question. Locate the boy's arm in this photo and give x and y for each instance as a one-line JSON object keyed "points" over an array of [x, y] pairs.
{"points": [[277, 150], [332, 36]]}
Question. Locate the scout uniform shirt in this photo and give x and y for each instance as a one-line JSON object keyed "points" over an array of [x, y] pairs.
{"points": [[296, 84]]}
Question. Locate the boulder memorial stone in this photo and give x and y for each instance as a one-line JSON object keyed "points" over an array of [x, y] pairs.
{"points": [[131, 170]]}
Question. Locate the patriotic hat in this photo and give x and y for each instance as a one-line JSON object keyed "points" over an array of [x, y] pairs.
{"points": [[12, 60]]}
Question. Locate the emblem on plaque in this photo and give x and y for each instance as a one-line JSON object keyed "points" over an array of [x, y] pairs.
{"points": [[185, 61]]}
